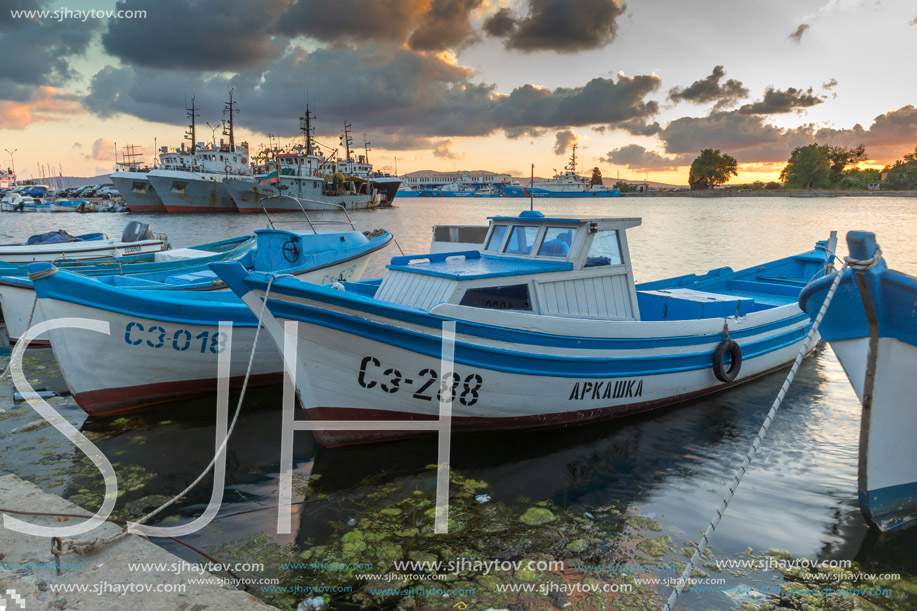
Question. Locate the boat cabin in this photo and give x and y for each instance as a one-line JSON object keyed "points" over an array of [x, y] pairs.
{"points": [[578, 268], [553, 266]]}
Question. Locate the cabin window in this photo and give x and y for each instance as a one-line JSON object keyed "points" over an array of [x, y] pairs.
{"points": [[513, 297], [521, 240], [556, 243], [605, 249], [496, 237]]}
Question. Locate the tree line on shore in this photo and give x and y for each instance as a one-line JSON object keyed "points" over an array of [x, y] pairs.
{"points": [[814, 166]]}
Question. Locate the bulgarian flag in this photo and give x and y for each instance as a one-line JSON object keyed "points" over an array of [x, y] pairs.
{"points": [[270, 179]]}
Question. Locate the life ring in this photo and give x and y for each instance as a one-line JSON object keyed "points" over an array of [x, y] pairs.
{"points": [[316, 173], [719, 360], [244, 160], [228, 168]]}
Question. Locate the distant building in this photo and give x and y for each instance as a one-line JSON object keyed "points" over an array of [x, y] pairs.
{"points": [[430, 178]]}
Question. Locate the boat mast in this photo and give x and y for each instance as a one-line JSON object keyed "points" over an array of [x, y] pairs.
{"points": [[228, 129], [572, 165], [192, 130], [347, 140], [305, 124], [366, 148]]}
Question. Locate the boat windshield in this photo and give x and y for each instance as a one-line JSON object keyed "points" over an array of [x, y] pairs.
{"points": [[605, 249], [556, 242], [496, 238], [521, 240]]}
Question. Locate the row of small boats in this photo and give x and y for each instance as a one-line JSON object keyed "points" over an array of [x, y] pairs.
{"points": [[24, 203], [539, 325]]}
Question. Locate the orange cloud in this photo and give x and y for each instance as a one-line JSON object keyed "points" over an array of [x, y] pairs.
{"points": [[103, 149], [47, 105]]}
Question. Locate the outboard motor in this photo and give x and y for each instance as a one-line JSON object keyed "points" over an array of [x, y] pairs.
{"points": [[136, 231]]}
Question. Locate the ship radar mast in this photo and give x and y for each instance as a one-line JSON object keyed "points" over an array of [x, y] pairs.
{"points": [[571, 167], [228, 125], [191, 134], [305, 124], [347, 140]]}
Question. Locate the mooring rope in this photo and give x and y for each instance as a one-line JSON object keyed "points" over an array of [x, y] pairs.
{"points": [[740, 473], [62, 548]]}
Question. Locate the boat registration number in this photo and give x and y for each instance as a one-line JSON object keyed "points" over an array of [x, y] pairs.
{"points": [[181, 340], [389, 379], [129, 249]]}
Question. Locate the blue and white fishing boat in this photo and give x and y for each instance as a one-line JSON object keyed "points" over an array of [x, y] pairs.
{"points": [[163, 344], [550, 330], [871, 323], [182, 268]]}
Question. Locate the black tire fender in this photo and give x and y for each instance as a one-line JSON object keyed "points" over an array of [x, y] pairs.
{"points": [[719, 361]]}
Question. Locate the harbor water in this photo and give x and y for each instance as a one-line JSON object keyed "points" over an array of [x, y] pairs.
{"points": [[672, 466]]}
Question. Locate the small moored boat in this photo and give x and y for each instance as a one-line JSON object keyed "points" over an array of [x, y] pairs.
{"points": [[871, 323], [550, 330], [164, 343], [137, 238]]}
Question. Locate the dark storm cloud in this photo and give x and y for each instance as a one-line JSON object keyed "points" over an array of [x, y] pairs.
{"points": [[564, 140], [638, 127], [446, 25], [389, 90], [777, 101], [500, 23], [203, 35], [518, 132], [746, 137], [797, 35], [895, 128], [38, 52], [368, 20], [709, 89], [565, 26], [750, 138], [636, 157]]}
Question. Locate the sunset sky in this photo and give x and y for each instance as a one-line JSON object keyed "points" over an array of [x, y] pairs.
{"points": [[641, 85]]}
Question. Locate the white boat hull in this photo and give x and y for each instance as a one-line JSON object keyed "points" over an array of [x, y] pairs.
{"points": [[888, 435], [145, 361], [137, 191], [191, 192], [341, 379], [93, 249]]}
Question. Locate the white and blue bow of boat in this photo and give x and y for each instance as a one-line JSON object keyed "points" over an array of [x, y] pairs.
{"points": [[871, 323], [163, 345], [550, 330]]}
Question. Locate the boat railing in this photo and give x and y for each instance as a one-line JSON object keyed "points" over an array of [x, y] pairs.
{"points": [[66, 263], [312, 223]]}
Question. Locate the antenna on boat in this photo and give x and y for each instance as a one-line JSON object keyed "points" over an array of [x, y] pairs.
{"points": [[228, 129], [346, 139], [572, 165], [532, 190], [192, 128], [305, 124]]}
